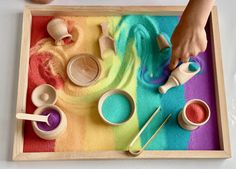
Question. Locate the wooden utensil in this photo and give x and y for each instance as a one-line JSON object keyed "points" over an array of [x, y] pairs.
{"points": [[162, 42], [180, 75], [138, 152], [106, 41], [33, 117]]}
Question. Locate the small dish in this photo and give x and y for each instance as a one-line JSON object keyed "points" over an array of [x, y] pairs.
{"points": [[84, 69], [44, 94]]}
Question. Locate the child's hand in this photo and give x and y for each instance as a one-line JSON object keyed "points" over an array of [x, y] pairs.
{"points": [[187, 40], [189, 37]]}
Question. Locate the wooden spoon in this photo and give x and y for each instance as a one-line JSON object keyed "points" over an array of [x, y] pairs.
{"points": [[33, 117], [105, 41]]}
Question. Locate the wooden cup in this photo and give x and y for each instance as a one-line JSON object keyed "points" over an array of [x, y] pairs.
{"points": [[55, 133], [183, 120], [57, 29]]}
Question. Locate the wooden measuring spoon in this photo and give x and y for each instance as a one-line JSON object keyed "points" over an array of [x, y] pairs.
{"points": [[33, 117], [106, 41]]}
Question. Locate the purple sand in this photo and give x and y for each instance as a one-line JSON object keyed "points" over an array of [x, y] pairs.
{"points": [[202, 87], [53, 119]]}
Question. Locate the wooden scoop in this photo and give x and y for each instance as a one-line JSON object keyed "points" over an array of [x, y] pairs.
{"points": [[105, 41], [33, 117], [162, 42]]}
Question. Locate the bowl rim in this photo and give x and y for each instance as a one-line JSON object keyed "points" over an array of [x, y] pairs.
{"points": [[80, 83], [203, 103], [109, 93], [39, 110]]}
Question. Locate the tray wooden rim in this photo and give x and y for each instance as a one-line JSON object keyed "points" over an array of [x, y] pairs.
{"points": [[32, 10]]}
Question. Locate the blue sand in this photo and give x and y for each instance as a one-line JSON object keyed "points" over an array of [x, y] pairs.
{"points": [[193, 67], [116, 108], [142, 31]]}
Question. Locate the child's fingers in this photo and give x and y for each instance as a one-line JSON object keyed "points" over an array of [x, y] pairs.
{"points": [[185, 58], [174, 60]]}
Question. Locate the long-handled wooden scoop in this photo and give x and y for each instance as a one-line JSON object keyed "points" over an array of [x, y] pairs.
{"points": [[105, 41], [33, 117]]}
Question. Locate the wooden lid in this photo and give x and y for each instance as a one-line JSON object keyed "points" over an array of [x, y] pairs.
{"points": [[84, 69], [44, 94]]}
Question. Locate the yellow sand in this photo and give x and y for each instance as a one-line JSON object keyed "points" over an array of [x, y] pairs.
{"points": [[86, 131]]}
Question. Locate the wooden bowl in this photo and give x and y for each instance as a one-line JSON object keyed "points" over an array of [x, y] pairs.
{"points": [[55, 133], [44, 94], [109, 93], [183, 120], [83, 69]]}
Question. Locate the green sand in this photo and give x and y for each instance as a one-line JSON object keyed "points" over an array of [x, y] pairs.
{"points": [[141, 32], [116, 108]]}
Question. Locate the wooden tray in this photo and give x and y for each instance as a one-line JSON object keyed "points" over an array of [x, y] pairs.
{"points": [[30, 11]]}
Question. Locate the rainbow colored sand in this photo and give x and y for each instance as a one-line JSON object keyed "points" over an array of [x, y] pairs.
{"points": [[138, 67]]}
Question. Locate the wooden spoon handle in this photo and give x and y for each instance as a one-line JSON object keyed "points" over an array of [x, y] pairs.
{"points": [[104, 28], [32, 117]]}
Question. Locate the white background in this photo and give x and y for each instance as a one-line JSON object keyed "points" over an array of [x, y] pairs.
{"points": [[10, 35]]}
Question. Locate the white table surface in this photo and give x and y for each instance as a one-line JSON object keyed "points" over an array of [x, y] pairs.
{"points": [[10, 34]]}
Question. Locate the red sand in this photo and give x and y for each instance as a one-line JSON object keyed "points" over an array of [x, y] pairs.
{"points": [[196, 113], [39, 29], [39, 73]]}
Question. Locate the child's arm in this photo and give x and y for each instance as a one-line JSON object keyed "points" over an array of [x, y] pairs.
{"points": [[189, 37]]}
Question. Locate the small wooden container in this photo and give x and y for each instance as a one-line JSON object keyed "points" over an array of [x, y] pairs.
{"points": [[52, 134], [110, 93], [44, 94], [44, 97], [57, 29], [183, 120]]}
